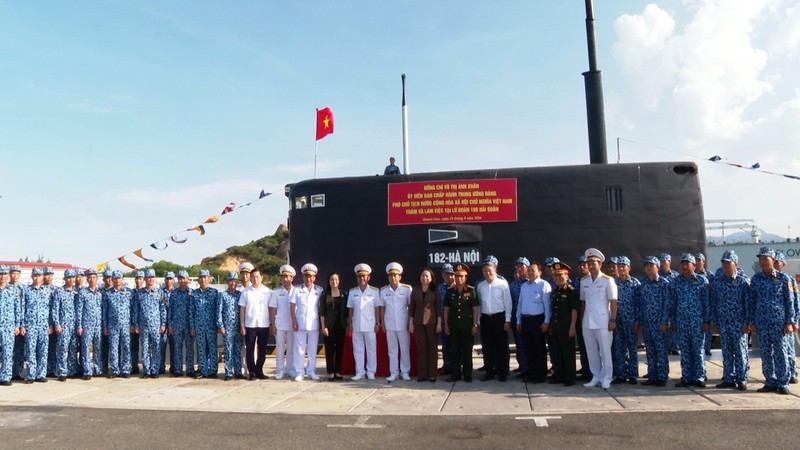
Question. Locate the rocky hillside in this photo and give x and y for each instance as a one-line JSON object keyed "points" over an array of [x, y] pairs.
{"points": [[267, 253]]}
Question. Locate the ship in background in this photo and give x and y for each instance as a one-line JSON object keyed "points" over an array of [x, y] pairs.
{"points": [[428, 219]]}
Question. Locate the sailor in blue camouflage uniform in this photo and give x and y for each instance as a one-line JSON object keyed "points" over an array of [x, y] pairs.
{"points": [[730, 300], [178, 319], [14, 273], [47, 283], [74, 359], [203, 325], [772, 317], [63, 312], [228, 324], [138, 285], [117, 326], [701, 269], [779, 264], [107, 286], [520, 277], [626, 360], [665, 271], [653, 318], [10, 316], [166, 338], [36, 326], [691, 317], [88, 324], [149, 321]]}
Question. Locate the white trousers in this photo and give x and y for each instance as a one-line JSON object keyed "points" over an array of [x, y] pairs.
{"points": [[399, 340], [305, 342], [598, 350], [284, 362], [366, 339]]}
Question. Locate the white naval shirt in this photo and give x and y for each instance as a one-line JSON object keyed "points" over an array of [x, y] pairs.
{"points": [[280, 301], [395, 304], [597, 295], [363, 305], [306, 302], [495, 297], [256, 306]]}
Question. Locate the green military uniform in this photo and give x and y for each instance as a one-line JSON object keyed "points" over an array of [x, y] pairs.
{"points": [[461, 304], [563, 300]]}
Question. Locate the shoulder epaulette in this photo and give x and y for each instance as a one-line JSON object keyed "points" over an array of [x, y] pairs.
{"points": [[406, 285], [584, 277]]}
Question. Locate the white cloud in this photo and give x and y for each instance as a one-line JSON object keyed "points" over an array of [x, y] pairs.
{"points": [[786, 39]]}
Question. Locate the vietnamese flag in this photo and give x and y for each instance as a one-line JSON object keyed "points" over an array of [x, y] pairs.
{"points": [[324, 122]]}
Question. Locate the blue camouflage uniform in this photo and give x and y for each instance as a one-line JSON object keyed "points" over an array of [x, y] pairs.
{"points": [[134, 335], [64, 316], [780, 256], [117, 320], [202, 319], [36, 321], [166, 338], [89, 318], [149, 317], [709, 335], [690, 312], [10, 320], [730, 301], [519, 342], [178, 319], [771, 310], [653, 301], [228, 320], [671, 341], [19, 340], [626, 360]]}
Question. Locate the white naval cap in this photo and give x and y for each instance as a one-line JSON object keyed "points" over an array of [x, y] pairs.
{"points": [[593, 253], [394, 267], [287, 270], [246, 267], [362, 269], [309, 269]]}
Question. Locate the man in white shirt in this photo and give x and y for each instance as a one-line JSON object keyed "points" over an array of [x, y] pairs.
{"points": [[254, 320], [599, 307], [495, 320], [245, 269], [281, 320], [533, 321], [304, 311], [394, 309], [363, 302]]}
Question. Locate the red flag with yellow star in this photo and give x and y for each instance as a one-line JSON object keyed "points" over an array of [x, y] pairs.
{"points": [[324, 122]]}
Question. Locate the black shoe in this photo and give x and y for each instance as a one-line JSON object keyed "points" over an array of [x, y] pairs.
{"points": [[766, 389], [87, 377], [240, 377], [228, 378], [783, 390], [674, 352], [793, 380], [633, 381], [176, 374], [144, 376], [62, 379], [191, 374], [487, 377], [28, 381], [700, 384], [741, 386], [135, 372], [453, 379], [125, 375], [155, 375], [648, 383], [661, 383], [197, 376], [41, 380], [251, 377], [262, 377], [469, 379], [5, 383], [503, 378], [554, 380], [725, 385], [682, 384], [618, 380], [647, 375]]}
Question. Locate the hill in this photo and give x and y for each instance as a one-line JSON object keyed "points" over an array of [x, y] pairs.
{"points": [[267, 253]]}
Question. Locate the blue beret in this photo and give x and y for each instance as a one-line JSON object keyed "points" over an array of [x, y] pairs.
{"points": [[650, 260], [730, 255], [665, 257], [4, 270], [523, 260], [37, 271], [149, 273], [700, 257], [582, 259], [117, 274], [70, 273], [139, 274], [168, 275], [615, 259], [90, 272], [766, 251], [183, 274], [779, 256], [48, 271], [107, 273], [14, 268], [490, 260], [447, 268], [688, 257], [203, 273], [624, 260], [233, 276]]}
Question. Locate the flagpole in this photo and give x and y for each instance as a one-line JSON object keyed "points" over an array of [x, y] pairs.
{"points": [[316, 117], [405, 128]]}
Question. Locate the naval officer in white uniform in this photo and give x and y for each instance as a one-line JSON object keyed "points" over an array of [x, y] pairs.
{"points": [[363, 303], [281, 319], [599, 311], [394, 308], [304, 310]]}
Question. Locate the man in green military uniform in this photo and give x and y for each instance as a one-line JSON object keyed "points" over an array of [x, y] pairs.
{"points": [[564, 302], [461, 323]]}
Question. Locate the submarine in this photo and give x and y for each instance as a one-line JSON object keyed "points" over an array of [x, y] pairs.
{"points": [[429, 219]]}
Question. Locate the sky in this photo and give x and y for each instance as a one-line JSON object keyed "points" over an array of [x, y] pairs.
{"points": [[123, 123]]}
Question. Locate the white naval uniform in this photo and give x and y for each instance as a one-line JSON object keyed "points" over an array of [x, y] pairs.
{"points": [[284, 334], [597, 295], [306, 313], [395, 319], [363, 326]]}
